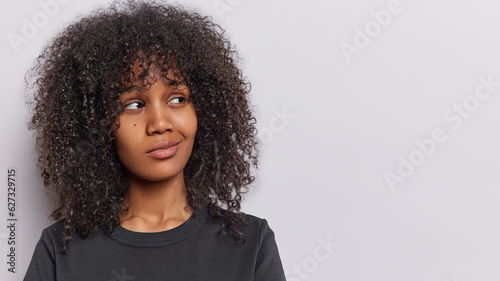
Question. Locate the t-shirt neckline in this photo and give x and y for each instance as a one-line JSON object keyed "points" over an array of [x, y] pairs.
{"points": [[162, 238]]}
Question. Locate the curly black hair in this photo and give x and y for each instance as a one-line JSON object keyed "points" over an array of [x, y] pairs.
{"points": [[76, 81]]}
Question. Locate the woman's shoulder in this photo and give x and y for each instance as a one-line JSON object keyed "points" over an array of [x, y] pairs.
{"points": [[258, 225], [254, 225], [54, 230], [50, 237], [251, 220], [256, 220]]}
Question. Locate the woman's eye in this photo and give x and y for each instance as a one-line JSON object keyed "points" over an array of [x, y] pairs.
{"points": [[178, 100], [134, 105]]}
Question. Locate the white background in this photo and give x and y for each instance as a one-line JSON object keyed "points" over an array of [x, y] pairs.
{"points": [[351, 120]]}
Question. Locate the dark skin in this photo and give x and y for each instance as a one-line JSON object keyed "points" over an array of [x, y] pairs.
{"points": [[156, 197]]}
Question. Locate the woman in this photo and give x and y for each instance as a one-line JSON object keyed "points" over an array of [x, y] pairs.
{"points": [[146, 139]]}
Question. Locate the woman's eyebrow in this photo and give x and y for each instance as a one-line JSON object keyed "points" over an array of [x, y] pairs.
{"points": [[177, 83], [135, 88], [140, 88], [131, 89]]}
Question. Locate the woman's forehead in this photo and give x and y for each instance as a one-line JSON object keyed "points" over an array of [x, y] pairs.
{"points": [[145, 73]]}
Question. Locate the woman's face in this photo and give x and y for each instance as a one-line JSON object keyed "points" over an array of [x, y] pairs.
{"points": [[157, 130]]}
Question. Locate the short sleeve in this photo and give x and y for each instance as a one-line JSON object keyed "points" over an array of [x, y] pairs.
{"points": [[268, 266], [42, 265]]}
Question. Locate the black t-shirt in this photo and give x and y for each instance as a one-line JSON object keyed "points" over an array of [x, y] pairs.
{"points": [[194, 250]]}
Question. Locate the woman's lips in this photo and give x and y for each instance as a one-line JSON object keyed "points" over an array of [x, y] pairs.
{"points": [[163, 150]]}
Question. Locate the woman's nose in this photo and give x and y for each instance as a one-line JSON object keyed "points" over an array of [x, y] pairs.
{"points": [[159, 120]]}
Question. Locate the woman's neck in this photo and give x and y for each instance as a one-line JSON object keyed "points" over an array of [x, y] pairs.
{"points": [[156, 206]]}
